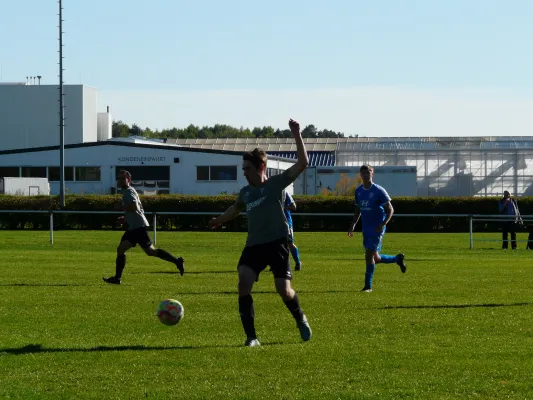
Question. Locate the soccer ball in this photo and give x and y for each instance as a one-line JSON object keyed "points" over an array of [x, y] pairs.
{"points": [[170, 312]]}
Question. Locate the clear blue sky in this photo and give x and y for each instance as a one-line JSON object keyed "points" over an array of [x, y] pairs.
{"points": [[377, 68]]}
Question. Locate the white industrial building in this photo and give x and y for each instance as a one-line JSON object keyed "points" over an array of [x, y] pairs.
{"points": [[29, 116], [445, 166], [316, 180], [155, 168], [29, 147], [420, 166]]}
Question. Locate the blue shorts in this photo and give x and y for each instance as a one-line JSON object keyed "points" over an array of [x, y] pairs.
{"points": [[373, 242], [291, 235]]}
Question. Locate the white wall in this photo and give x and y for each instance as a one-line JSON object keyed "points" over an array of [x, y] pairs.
{"points": [[182, 174], [104, 127], [90, 115], [24, 186], [397, 180], [29, 115]]}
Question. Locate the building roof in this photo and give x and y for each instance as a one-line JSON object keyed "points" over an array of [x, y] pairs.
{"points": [[363, 143], [267, 144], [161, 146], [316, 158]]}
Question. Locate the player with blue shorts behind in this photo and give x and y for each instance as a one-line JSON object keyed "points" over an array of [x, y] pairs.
{"points": [[290, 205], [375, 210]]}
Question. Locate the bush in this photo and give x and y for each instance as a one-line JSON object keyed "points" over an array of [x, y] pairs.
{"points": [[333, 205]]}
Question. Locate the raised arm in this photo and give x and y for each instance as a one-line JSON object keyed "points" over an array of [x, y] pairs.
{"points": [[303, 160], [228, 215]]}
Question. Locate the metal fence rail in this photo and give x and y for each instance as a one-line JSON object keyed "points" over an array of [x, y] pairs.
{"points": [[471, 218]]}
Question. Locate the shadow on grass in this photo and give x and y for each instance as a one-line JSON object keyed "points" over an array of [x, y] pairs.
{"points": [[487, 305], [186, 272], [503, 251], [426, 259], [273, 291], [407, 260], [37, 348], [42, 284]]}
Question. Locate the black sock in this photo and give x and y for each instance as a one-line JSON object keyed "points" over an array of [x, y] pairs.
{"points": [[164, 255], [120, 265], [294, 307], [246, 309]]}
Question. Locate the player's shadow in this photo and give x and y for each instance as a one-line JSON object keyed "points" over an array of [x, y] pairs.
{"points": [[503, 251], [42, 284], [486, 305], [37, 348], [225, 292], [426, 259], [407, 260], [273, 291], [186, 272]]}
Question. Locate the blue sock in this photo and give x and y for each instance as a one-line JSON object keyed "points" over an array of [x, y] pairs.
{"points": [[370, 268], [385, 259], [295, 254]]}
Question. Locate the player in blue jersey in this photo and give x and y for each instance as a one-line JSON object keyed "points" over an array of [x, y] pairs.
{"points": [[290, 205], [373, 205]]}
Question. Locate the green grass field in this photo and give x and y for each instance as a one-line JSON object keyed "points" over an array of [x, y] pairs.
{"points": [[457, 325]]}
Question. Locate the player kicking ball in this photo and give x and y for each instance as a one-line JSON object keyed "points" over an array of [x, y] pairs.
{"points": [[268, 231], [137, 232], [375, 210]]}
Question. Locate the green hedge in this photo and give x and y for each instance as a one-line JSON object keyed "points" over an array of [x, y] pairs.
{"points": [[305, 204]]}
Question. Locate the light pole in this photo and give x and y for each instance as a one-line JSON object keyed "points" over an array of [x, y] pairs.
{"points": [[61, 114]]}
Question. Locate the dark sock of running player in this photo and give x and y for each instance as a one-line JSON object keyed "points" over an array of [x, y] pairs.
{"points": [[120, 264], [294, 307], [164, 255], [246, 310]]}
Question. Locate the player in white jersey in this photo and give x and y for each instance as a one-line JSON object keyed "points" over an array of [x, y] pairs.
{"points": [[137, 231], [375, 210]]}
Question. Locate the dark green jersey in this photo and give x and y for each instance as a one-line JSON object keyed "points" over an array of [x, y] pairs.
{"points": [[135, 219], [264, 205]]}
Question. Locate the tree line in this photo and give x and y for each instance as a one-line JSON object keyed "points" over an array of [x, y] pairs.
{"points": [[121, 129]]}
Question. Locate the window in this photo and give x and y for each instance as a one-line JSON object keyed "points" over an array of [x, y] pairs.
{"points": [[146, 173], [223, 173], [53, 174], [148, 180], [12, 172], [202, 173], [216, 173], [34, 172], [88, 174]]}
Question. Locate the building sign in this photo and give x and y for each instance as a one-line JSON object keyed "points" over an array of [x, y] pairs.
{"points": [[142, 159]]}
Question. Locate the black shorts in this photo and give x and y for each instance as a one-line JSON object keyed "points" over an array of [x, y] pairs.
{"points": [[274, 254], [138, 235]]}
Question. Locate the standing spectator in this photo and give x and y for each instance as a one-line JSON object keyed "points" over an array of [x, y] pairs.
{"points": [[508, 207]]}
